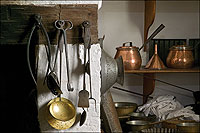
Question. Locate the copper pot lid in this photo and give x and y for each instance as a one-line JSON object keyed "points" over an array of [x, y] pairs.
{"points": [[181, 47], [130, 47]]}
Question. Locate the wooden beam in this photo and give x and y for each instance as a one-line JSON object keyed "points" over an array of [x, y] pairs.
{"points": [[16, 22]]}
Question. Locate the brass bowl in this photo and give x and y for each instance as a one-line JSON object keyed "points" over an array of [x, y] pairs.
{"points": [[141, 116], [60, 113], [158, 130], [138, 125], [188, 127], [125, 108], [172, 123]]}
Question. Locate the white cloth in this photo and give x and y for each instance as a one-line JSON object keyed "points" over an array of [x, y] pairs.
{"points": [[165, 107], [186, 112]]}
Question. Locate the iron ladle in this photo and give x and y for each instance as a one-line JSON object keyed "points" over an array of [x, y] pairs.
{"points": [[52, 79]]}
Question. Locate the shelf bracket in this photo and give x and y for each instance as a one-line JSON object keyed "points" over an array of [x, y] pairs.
{"points": [[148, 85]]}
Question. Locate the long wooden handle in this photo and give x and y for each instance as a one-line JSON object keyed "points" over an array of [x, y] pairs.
{"points": [[157, 122], [150, 10]]}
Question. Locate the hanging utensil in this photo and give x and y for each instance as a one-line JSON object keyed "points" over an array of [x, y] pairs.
{"points": [[84, 94], [61, 112], [83, 117], [155, 62], [52, 79], [59, 24], [86, 28], [60, 108], [39, 24], [112, 70]]}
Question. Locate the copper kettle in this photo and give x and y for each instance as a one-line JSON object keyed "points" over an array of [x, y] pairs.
{"points": [[180, 56], [131, 56]]}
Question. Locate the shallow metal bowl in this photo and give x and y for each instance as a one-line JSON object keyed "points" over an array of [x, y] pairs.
{"points": [[138, 125], [125, 108], [158, 130], [141, 116], [188, 127], [60, 113]]}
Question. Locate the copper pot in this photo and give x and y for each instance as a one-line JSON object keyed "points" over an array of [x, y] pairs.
{"points": [[180, 56], [131, 56]]}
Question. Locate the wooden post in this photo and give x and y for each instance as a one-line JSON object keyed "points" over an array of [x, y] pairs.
{"points": [[109, 113], [148, 85]]}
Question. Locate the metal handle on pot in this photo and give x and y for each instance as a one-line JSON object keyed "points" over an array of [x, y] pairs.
{"points": [[130, 44]]}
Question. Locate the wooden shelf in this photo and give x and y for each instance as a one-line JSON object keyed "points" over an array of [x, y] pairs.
{"points": [[149, 83], [168, 70]]}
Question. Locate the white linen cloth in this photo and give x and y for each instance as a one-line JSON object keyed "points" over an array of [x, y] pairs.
{"points": [[165, 107]]}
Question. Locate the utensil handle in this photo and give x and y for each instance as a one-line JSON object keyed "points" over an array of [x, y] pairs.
{"points": [[87, 41], [129, 91], [156, 49], [157, 122], [153, 35], [130, 44], [66, 54]]}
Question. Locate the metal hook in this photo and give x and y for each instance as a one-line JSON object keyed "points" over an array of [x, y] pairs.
{"points": [[59, 24]]}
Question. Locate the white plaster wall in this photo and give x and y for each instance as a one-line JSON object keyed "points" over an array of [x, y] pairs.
{"points": [[92, 123], [123, 21]]}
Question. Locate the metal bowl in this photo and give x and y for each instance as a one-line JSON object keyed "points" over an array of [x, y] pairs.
{"points": [[173, 123], [188, 127], [141, 116], [158, 130], [138, 125], [61, 113], [125, 108]]}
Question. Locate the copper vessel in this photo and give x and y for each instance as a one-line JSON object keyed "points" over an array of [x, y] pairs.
{"points": [[131, 56], [180, 56], [155, 62]]}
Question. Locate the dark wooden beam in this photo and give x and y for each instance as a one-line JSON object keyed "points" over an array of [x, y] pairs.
{"points": [[16, 21]]}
